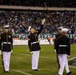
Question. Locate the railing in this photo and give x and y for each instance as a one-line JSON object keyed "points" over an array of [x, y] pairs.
{"points": [[42, 36], [36, 8]]}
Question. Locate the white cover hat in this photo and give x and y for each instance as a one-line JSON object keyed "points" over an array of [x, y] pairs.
{"points": [[65, 30], [6, 26]]}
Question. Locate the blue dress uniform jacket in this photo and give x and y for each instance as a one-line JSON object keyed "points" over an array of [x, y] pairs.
{"points": [[33, 42], [63, 45], [6, 42]]}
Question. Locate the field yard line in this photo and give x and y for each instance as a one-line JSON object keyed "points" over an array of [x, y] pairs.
{"points": [[25, 73], [30, 55], [40, 56], [71, 59], [21, 53], [73, 66]]}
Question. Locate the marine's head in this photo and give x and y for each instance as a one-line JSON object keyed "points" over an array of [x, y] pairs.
{"points": [[64, 30], [31, 29], [6, 28], [59, 30]]}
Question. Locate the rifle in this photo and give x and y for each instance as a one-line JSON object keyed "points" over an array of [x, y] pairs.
{"points": [[51, 19]]}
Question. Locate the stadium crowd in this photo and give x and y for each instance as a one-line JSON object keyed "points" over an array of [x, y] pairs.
{"points": [[20, 20]]}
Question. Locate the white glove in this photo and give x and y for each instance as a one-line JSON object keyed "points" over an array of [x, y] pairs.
{"points": [[51, 42], [11, 51], [29, 28], [68, 56], [31, 52], [43, 21], [55, 50], [0, 52]]}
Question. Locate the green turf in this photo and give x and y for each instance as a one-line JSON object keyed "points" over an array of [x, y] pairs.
{"points": [[21, 61]]}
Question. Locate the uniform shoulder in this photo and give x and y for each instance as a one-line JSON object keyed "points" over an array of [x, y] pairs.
{"points": [[2, 33], [57, 35], [66, 37]]}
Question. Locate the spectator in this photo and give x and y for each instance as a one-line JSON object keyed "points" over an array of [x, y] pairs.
{"points": [[20, 20]]}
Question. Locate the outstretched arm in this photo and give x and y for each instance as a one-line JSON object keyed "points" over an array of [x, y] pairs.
{"points": [[42, 23]]}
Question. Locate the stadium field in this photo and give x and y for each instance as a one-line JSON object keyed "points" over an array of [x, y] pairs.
{"points": [[21, 61]]}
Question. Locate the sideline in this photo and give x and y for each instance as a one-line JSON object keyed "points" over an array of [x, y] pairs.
{"points": [[73, 66]]}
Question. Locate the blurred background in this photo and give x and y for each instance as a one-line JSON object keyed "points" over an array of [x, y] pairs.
{"points": [[20, 14]]}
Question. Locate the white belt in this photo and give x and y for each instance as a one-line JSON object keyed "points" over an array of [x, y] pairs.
{"points": [[6, 43], [35, 42], [62, 45]]}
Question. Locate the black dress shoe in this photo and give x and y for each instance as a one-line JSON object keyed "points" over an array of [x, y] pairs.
{"points": [[35, 70], [69, 73], [6, 71]]}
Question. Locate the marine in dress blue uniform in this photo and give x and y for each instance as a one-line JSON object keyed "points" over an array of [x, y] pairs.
{"points": [[6, 47], [53, 42], [63, 50], [34, 45]]}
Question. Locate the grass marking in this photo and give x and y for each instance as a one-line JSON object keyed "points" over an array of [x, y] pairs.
{"points": [[25, 73], [72, 59], [30, 55]]}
